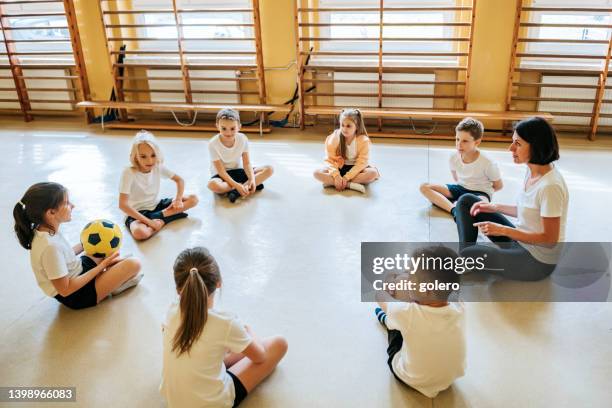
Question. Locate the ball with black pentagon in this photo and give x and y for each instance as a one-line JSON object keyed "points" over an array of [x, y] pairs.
{"points": [[101, 238]]}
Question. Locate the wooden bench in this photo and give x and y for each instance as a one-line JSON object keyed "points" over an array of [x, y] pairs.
{"points": [[181, 107], [428, 114]]}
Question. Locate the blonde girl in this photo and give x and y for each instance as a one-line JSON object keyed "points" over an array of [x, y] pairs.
{"points": [[139, 190]]}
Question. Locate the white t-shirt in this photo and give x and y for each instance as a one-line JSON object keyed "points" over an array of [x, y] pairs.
{"points": [[52, 257], [351, 152], [478, 175], [433, 353], [231, 157], [143, 188], [548, 197], [199, 378]]}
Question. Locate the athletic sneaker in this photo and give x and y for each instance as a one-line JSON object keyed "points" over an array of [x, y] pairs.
{"points": [[128, 284]]}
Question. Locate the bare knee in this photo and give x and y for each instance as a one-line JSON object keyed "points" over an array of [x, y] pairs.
{"points": [[141, 233], [193, 200], [279, 346], [213, 186], [425, 187], [268, 170], [371, 175], [320, 174], [132, 265]]}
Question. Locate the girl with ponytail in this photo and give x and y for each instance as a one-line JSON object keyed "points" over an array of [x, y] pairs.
{"points": [[210, 358], [76, 283], [348, 152]]}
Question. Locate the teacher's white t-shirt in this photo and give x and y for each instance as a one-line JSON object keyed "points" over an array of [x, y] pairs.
{"points": [[548, 197]]}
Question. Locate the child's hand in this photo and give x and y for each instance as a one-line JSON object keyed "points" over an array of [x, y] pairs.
{"points": [[156, 224], [110, 260], [482, 207], [250, 185], [243, 190], [177, 204], [491, 228], [339, 183]]}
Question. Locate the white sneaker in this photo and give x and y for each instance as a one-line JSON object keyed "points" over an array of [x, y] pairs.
{"points": [[357, 187], [128, 284]]}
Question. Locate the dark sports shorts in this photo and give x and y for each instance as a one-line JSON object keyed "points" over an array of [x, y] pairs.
{"points": [[240, 391], [457, 191], [87, 295], [345, 169], [395, 345], [239, 175], [162, 205]]}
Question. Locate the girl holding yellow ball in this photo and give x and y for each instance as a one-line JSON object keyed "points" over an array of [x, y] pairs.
{"points": [[75, 282]]}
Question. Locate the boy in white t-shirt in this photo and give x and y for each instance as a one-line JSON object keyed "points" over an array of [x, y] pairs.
{"points": [[230, 166], [426, 334], [472, 171]]}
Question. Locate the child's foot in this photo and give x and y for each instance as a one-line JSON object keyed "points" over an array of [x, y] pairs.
{"points": [[259, 187], [128, 284], [174, 217], [381, 316], [452, 211], [233, 196], [357, 187]]}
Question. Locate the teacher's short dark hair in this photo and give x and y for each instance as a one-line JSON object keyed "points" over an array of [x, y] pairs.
{"points": [[542, 138]]}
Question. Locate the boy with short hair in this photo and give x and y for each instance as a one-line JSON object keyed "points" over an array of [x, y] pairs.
{"points": [[227, 150], [472, 171], [427, 334]]}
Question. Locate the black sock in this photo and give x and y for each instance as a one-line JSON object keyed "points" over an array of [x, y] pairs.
{"points": [[233, 195], [381, 316], [452, 211], [174, 217], [259, 187]]}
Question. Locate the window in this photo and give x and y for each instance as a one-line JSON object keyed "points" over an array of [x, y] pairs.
{"points": [[202, 31], [364, 25], [583, 28]]}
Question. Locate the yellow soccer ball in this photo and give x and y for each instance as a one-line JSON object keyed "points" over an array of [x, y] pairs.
{"points": [[101, 238]]}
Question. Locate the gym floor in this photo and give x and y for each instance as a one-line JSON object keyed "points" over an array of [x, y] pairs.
{"points": [[290, 261]]}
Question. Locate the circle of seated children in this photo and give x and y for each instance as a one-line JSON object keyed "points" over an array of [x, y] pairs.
{"points": [[193, 324], [347, 154]]}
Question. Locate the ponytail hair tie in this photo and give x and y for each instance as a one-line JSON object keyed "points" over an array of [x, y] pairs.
{"points": [[193, 270], [23, 206]]}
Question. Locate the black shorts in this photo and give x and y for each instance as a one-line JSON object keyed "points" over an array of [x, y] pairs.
{"points": [[345, 169], [457, 191], [395, 345], [87, 295], [162, 205], [239, 175], [240, 391]]}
